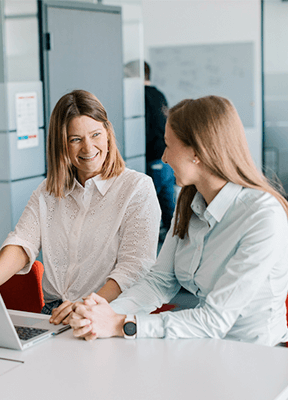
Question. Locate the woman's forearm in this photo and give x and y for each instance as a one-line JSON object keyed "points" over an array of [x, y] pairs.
{"points": [[110, 291], [12, 259]]}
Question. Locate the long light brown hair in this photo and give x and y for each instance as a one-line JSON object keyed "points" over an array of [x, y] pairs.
{"points": [[61, 172], [212, 127]]}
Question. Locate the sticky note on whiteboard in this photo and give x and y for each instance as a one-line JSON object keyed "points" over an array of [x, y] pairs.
{"points": [[27, 120]]}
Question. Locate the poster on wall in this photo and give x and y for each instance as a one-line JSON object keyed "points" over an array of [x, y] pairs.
{"points": [[27, 120]]}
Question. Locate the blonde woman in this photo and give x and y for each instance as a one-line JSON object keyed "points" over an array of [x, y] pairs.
{"points": [[96, 221], [227, 244]]}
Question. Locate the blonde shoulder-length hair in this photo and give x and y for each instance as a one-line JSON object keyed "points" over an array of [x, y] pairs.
{"points": [[212, 127], [61, 172]]}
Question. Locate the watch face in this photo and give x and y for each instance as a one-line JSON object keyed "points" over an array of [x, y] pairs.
{"points": [[130, 328]]}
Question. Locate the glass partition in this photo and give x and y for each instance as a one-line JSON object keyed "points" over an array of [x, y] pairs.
{"points": [[275, 27]]}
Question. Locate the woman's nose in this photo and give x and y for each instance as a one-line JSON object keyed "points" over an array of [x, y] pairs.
{"points": [[87, 146]]}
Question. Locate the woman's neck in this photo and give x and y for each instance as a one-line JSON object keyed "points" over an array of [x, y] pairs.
{"points": [[210, 187]]}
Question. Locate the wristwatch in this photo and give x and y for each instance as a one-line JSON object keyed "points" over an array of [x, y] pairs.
{"points": [[130, 327]]}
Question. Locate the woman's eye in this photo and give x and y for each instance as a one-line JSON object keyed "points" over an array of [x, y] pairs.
{"points": [[96, 134], [74, 140]]}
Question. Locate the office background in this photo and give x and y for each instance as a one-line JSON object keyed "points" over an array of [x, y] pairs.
{"points": [[151, 28]]}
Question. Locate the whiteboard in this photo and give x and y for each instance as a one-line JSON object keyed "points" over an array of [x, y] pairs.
{"points": [[195, 71]]}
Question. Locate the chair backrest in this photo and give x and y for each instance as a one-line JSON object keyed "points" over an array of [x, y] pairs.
{"points": [[287, 309], [24, 292], [287, 315]]}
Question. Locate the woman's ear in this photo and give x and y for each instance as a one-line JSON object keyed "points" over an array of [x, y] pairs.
{"points": [[195, 158]]}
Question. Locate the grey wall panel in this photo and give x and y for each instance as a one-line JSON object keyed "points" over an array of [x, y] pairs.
{"points": [[5, 210], [134, 138], [137, 163], [20, 163], [27, 162], [22, 46], [3, 108], [20, 194], [5, 168], [133, 97], [2, 41], [86, 54]]}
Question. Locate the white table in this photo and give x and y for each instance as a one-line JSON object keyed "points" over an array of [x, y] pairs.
{"points": [[145, 369]]}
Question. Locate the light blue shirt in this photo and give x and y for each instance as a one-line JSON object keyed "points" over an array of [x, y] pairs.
{"points": [[235, 260]]}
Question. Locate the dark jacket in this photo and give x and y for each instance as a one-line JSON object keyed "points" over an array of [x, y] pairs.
{"points": [[155, 106]]}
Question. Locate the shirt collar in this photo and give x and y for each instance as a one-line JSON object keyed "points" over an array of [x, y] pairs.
{"points": [[219, 205], [198, 204], [103, 185]]}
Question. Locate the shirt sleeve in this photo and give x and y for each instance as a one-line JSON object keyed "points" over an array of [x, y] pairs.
{"points": [[260, 250], [158, 287], [139, 234], [27, 231]]}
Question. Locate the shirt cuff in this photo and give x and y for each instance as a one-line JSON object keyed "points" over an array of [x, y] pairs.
{"points": [[149, 326], [117, 307]]}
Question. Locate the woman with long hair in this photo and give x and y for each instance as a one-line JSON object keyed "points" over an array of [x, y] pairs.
{"points": [[228, 243], [96, 221]]}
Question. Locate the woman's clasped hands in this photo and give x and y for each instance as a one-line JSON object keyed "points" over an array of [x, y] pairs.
{"points": [[94, 318]]}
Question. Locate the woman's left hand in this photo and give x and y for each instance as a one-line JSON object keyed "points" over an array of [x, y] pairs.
{"points": [[61, 313], [94, 318]]}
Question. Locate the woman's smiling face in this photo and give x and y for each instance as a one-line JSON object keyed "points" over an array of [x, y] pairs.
{"points": [[87, 146]]}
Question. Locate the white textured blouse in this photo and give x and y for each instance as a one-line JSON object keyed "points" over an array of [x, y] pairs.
{"points": [[107, 229], [235, 261]]}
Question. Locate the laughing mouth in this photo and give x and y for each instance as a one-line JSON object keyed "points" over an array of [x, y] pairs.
{"points": [[88, 158]]}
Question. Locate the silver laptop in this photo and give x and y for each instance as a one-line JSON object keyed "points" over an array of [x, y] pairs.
{"points": [[20, 330]]}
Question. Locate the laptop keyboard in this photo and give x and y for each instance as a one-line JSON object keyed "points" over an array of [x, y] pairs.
{"points": [[26, 333]]}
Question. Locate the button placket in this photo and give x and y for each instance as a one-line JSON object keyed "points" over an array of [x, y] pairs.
{"points": [[74, 245], [196, 259]]}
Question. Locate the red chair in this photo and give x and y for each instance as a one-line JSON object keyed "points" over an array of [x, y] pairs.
{"points": [[24, 292], [165, 307]]}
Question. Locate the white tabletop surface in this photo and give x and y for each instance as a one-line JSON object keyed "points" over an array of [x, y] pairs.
{"points": [[145, 369]]}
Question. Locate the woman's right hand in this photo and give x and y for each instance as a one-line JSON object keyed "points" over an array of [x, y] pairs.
{"points": [[61, 313]]}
